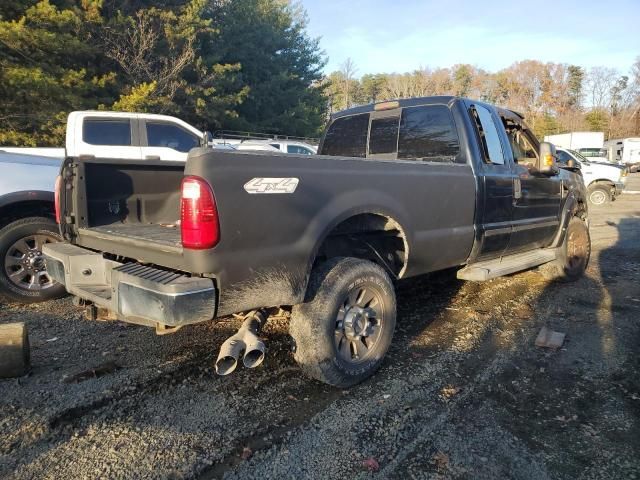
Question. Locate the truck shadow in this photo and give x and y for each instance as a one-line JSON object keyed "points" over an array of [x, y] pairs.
{"points": [[587, 389]]}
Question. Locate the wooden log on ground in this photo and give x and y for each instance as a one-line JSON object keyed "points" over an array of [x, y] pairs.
{"points": [[15, 354]]}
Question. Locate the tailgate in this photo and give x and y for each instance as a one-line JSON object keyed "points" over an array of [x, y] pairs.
{"points": [[126, 208]]}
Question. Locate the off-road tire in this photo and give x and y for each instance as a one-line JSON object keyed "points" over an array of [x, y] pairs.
{"points": [[9, 235], [573, 254], [313, 323], [600, 193]]}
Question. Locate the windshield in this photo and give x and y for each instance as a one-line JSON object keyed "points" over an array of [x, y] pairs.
{"points": [[578, 155]]}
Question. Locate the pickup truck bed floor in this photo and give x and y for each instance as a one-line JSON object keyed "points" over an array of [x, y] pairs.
{"points": [[159, 234]]}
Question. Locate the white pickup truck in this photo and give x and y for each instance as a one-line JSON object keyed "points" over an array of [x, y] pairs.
{"points": [[604, 181], [28, 178]]}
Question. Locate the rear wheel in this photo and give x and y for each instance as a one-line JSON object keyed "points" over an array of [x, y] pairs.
{"points": [[344, 329], [599, 195], [23, 273], [573, 254]]}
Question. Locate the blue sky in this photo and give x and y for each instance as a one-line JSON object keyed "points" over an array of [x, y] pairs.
{"points": [[402, 35]]}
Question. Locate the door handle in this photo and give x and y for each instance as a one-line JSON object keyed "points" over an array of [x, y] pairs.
{"points": [[152, 157], [517, 189]]}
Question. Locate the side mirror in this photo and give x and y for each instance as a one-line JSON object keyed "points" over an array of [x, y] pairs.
{"points": [[571, 163], [207, 139], [548, 159]]}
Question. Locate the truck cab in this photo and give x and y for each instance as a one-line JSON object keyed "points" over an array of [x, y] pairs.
{"points": [[140, 136]]}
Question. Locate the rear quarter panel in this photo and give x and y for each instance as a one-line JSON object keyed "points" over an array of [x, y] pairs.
{"points": [[24, 173]]}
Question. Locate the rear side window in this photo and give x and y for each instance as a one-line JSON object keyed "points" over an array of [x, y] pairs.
{"points": [[383, 137], [107, 132], [170, 136], [428, 133], [347, 136]]}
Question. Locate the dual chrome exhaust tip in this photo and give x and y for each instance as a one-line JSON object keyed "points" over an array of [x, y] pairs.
{"points": [[245, 340]]}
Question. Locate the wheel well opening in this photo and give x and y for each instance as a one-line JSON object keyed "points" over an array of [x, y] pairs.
{"points": [[28, 208], [369, 236], [602, 183]]}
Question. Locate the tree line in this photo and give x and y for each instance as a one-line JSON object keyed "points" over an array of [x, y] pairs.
{"points": [[554, 97], [234, 64]]}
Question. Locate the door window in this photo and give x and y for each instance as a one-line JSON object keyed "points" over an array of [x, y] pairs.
{"points": [[523, 151], [106, 132], [299, 150], [563, 157], [347, 136], [170, 136], [428, 133], [489, 137]]}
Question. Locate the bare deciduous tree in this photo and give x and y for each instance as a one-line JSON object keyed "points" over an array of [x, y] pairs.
{"points": [[600, 82], [348, 70], [136, 49], [553, 97]]}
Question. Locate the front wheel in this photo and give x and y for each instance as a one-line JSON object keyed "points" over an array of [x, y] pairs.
{"points": [[573, 254], [23, 272], [344, 329], [599, 195]]}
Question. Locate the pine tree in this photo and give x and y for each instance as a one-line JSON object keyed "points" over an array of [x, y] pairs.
{"points": [[216, 64], [47, 68], [279, 64]]}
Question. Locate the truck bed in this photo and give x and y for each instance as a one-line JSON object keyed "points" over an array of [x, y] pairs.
{"points": [[132, 207]]}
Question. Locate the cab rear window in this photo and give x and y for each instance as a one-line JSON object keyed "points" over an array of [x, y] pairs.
{"points": [[383, 137], [347, 136], [421, 133]]}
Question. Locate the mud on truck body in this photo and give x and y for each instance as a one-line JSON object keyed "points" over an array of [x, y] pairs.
{"points": [[399, 189]]}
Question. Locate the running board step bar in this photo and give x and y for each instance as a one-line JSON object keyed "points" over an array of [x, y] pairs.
{"points": [[481, 271]]}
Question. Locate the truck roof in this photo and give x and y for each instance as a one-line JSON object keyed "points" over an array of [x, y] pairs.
{"points": [[119, 114], [413, 102]]}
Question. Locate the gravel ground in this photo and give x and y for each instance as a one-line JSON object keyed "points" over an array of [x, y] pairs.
{"points": [[464, 393]]}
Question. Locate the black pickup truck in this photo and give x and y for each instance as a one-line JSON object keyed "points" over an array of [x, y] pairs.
{"points": [[399, 189]]}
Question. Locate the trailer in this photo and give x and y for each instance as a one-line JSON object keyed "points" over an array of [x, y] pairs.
{"points": [[577, 140], [625, 151]]}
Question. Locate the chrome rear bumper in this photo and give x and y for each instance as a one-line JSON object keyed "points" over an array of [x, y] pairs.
{"points": [[134, 292]]}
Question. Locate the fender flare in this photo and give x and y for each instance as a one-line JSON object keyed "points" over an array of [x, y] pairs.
{"points": [[602, 181], [572, 207], [26, 196]]}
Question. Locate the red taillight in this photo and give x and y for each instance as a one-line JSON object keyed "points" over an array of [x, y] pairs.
{"points": [[56, 199], [198, 215]]}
